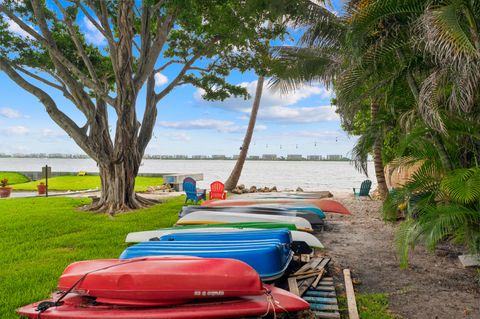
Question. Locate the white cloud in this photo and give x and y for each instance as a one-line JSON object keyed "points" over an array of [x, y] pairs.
{"points": [[10, 113], [92, 34], [179, 136], [15, 28], [298, 114], [51, 133], [276, 106], [15, 130], [207, 124], [160, 79]]}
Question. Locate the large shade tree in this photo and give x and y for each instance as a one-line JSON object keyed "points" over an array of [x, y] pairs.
{"points": [[200, 40]]}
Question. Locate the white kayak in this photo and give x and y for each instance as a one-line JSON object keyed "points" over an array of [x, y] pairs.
{"points": [[143, 236], [214, 217]]}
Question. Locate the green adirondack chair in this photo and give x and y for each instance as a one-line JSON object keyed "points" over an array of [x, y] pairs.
{"points": [[364, 189]]}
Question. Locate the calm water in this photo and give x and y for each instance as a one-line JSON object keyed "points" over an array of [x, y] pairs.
{"points": [[335, 176]]}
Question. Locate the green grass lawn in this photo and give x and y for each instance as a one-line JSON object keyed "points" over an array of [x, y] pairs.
{"points": [[76, 183], [14, 178], [39, 237], [370, 306]]}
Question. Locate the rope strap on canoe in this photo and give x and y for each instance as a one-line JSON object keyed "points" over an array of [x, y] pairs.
{"points": [[45, 305], [272, 304]]}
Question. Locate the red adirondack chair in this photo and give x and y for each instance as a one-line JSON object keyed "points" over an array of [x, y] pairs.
{"points": [[217, 190]]}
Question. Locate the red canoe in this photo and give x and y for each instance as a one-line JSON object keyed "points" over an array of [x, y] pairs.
{"points": [[326, 205], [156, 281], [76, 307]]}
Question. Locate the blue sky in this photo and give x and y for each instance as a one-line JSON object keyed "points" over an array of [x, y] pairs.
{"points": [[302, 122]]}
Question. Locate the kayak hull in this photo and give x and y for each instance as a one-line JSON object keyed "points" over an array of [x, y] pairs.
{"points": [[270, 260], [313, 218], [144, 236], [154, 281], [78, 307], [206, 217], [326, 205], [284, 210]]}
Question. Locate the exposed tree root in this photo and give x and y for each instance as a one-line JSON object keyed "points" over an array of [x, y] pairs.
{"points": [[105, 206]]}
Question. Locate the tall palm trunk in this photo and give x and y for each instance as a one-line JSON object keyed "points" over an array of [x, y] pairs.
{"points": [[232, 180], [377, 155]]}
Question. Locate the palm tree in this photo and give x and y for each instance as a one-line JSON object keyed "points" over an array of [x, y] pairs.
{"points": [[325, 54], [232, 180]]}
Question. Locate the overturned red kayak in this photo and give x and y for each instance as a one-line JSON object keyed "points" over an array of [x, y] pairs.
{"points": [[158, 281], [326, 205], [75, 306]]}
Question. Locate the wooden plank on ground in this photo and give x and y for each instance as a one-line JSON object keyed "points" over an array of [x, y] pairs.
{"points": [[324, 263], [469, 260], [319, 277], [314, 293], [323, 307], [293, 286], [351, 302], [326, 315], [309, 266], [305, 285]]}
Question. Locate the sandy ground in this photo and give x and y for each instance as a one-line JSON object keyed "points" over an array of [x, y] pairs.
{"points": [[434, 285]]}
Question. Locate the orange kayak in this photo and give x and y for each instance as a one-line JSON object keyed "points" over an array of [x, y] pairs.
{"points": [[326, 205]]}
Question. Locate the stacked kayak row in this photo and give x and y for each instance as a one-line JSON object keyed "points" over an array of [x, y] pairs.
{"points": [[163, 287], [214, 263], [267, 251]]}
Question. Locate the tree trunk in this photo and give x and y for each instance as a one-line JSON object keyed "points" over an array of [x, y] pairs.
{"points": [[232, 180], [377, 155], [118, 188]]}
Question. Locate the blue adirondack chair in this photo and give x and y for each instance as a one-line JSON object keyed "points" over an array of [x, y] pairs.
{"points": [[193, 194], [364, 189]]}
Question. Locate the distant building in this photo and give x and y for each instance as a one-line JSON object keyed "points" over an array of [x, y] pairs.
{"points": [[166, 156], [199, 157], [180, 156], [235, 157], [219, 157], [314, 157], [294, 157], [269, 157], [334, 157], [254, 157]]}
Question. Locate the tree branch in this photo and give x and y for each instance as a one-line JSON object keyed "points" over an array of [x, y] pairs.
{"points": [[150, 53], [61, 88], [149, 117], [166, 65], [177, 79], [58, 58], [78, 43], [58, 116]]}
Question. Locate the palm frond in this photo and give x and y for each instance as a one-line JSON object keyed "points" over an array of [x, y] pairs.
{"points": [[323, 28], [406, 236], [363, 148], [428, 102], [463, 185], [295, 66], [444, 36]]}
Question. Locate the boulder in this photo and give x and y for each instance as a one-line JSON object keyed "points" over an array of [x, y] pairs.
{"points": [[241, 187], [236, 190], [253, 189], [274, 189], [299, 189], [244, 191]]}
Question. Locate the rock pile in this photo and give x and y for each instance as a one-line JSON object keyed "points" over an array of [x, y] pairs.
{"points": [[241, 189], [165, 188]]}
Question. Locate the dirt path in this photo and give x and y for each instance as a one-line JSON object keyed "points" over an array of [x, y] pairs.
{"points": [[434, 286]]}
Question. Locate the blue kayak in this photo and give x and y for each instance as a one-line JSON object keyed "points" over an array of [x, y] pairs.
{"points": [[283, 235], [270, 260]]}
